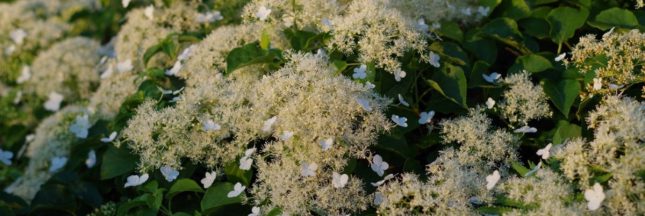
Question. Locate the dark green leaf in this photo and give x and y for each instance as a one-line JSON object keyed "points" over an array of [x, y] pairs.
{"points": [[502, 28], [215, 197], [534, 63], [564, 131], [515, 9], [564, 21], [450, 82], [183, 185], [519, 168], [451, 30], [563, 93], [235, 174], [116, 162], [615, 17], [250, 54]]}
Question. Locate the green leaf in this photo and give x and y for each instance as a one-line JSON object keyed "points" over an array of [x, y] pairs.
{"points": [[139, 201], [476, 78], [564, 21], [183, 185], [564, 131], [515, 9], [265, 40], [534, 63], [483, 48], [536, 27], [615, 17], [275, 212], [152, 51], [235, 174], [250, 54], [563, 93], [340, 66], [395, 143], [116, 162], [450, 81], [215, 197], [502, 28], [490, 3], [298, 38], [519, 168], [451, 30], [54, 196], [493, 210]]}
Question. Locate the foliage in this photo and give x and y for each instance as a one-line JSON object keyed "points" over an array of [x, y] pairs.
{"points": [[443, 155]]}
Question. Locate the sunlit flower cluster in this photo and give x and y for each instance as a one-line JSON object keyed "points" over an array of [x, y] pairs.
{"points": [[523, 101], [48, 151], [30, 25], [617, 149], [309, 15], [68, 68], [616, 60]]}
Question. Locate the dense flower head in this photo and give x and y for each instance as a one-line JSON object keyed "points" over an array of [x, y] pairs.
{"points": [[211, 52], [617, 148], [140, 32], [30, 25], [439, 10], [547, 192], [481, 145], [523, 101], [377, 34], [68, 67], [52, 139], [283, 14], [624, 54], [306, 100]]}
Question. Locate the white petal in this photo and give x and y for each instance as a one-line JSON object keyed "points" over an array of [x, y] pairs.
{"points": [[54, 101], [237, 190], [490, 103], [91, 159], [109, 138], [526, 129], [594, 196], [208, 179], [400, 121], [5, 157], [365, 104], [246, 163], [56, 163], [286, 135], [263, 13], [326, 144], [560, 57], [210, 125], [426, 117], [169, 173], [149, 12], [124, 66], [492, 179], [268, 124], [25, 74], [402, 101]]}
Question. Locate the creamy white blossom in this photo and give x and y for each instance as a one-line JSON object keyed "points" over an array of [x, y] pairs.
{"points": [[208, 179], [492, 179], [238, 188], [594, 197], [169, 173], [135, 180], [378, 165]]}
